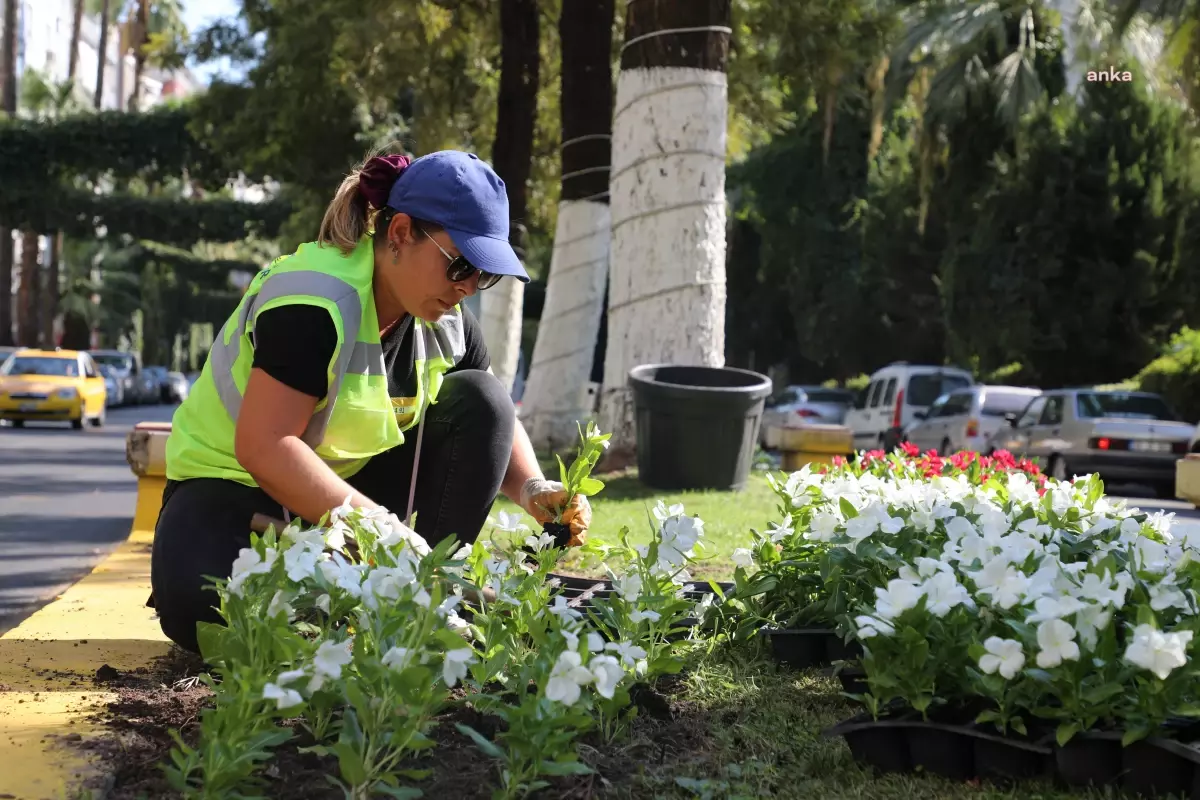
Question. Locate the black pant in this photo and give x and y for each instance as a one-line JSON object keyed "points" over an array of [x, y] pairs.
{"points": [[465, 449]]}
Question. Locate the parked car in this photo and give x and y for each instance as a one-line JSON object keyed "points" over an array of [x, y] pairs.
{"points": [[5, 352], [797, 405], [115, 393], [51, 386], [158, 383], [1132, 437], [127, 368], [966, 419], [177, 387], [889, 404]]}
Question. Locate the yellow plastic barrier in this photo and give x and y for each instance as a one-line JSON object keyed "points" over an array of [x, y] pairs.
{"points": [[1187, 478], [810, 444]]}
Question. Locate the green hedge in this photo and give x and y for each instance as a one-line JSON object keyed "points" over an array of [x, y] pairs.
{"points": [[1176, 374], [174, 221], [154, 146]]}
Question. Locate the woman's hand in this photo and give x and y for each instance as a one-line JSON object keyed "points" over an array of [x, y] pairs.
{"points": [[545, 500]]}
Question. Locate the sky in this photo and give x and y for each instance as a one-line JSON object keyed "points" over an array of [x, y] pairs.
{"points": [[198, 14]]}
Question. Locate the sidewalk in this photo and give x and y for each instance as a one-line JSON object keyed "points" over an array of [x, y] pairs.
{"points": [[49, 661]]}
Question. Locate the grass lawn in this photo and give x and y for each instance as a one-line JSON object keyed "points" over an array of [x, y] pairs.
{"points": [[748, 729], [728, 516]]}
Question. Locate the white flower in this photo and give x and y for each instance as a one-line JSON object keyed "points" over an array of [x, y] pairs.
{"points": [[1158, 652], [447, 606], [300, 561], [422, 597], [564, 612], [742, 557], [898, 597], [637, 616], [679, 536], [944, 593], [539, 542], [628, 652], [566, 678], [1057, 642], [823, 527], [607, 673], [1098, 589], [456, 623], [595, 642], [284, 698], [1089, 621], [1166, 595], [1003, 655], [279, 605], [323, 603], [510, 522], [331, 657], [248, 563], [662, 513], [1003, 582], [778, 531], [341, 512], [871, 626], [291, 675], [454, 667], [347, 577], [629, 586], [1048, 608], [398, 658]]}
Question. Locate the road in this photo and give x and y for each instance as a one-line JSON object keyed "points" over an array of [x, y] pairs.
{"points": [[66, 500]]}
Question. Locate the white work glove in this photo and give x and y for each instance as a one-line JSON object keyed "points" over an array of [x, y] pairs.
{"points": [[545, 500]]}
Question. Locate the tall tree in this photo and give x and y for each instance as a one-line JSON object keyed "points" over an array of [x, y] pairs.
{"points": [[667, 275], [512, 157], [140, 38], [8, 98], [76, 28], [563, 355], [102, 54], [28, 291]]}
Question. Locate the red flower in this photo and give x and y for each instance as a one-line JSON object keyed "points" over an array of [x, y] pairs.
{"points": [[839, 461], [910, 449]]}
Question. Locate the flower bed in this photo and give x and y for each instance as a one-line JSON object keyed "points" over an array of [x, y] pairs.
{"points": [[988, 602]]}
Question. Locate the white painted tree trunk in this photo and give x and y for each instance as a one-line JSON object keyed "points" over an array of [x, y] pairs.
{"points": [[667, 275], [1073, 66], [556, 396], [501, 308]]}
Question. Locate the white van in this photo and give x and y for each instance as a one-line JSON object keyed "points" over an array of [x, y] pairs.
{"points": [[893, 397]]}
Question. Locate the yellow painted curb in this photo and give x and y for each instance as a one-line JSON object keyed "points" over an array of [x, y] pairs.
{"points": [[48, 662]]}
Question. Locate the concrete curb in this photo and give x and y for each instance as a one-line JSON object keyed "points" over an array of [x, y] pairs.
{"points": [[48, 664]]}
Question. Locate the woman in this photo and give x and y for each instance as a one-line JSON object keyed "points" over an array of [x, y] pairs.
{"points": [[350, 370]]}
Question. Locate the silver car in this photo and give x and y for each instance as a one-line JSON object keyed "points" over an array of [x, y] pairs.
{"points": [[1124, 437], [967, 418], [796, 405]]}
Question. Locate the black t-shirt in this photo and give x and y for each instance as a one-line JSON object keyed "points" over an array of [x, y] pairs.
{"points": [[294, 343]]}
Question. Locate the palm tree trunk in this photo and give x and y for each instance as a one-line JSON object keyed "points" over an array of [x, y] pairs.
{"points": [[141, 35], [76, 26], [50, 298], [512, 157], [556, 395], [102, 60], [27, 293], [8, 98], [667, 275]]}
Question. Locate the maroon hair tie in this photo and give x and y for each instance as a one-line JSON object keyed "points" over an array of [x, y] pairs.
{"points": [[377, 176]]}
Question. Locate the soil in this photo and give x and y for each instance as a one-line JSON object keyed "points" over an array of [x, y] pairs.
{"points": [[168, 696]]}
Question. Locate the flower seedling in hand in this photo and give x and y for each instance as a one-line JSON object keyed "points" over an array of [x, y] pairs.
{"points": [[566, 525]]}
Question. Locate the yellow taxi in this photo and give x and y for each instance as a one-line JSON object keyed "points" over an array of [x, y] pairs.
{"points": [[51, 386]]}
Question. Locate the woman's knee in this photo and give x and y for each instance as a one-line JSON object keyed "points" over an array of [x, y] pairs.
{"points": [[476, 397]]}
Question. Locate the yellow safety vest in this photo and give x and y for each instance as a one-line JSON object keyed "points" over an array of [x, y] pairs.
{"points": [[356, 419]]}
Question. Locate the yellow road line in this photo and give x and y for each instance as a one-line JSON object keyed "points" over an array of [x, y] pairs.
{"points": [[48, 662]]}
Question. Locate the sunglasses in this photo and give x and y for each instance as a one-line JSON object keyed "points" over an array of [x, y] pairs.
{"points": [[459, 269]]}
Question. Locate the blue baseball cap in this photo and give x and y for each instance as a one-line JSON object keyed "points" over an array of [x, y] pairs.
{"points": [[465, 196]]}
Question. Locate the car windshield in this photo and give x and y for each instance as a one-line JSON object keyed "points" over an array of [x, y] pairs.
{"points": [[924, 389], [1091, 405], [998, 404], [118, 360], [41, 365]]}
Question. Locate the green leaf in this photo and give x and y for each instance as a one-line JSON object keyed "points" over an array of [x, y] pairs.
{"points": [[1101, 693], [354, 772], [1132, 735], [848, 509], [562, 470], [400, 792], [414, 774], [590, 486], [564, 768], [1065, 731], [489, 748]]}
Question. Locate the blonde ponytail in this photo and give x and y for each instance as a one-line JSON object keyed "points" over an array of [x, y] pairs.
{"points": [[347, 217], [361, 196]]}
